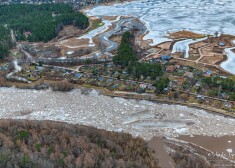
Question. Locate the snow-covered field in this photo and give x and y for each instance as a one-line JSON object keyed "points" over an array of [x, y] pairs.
{"points": [[140, 118], [161, 16]]}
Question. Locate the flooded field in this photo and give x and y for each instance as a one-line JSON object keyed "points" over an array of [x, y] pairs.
{"points": [[88, 107]]}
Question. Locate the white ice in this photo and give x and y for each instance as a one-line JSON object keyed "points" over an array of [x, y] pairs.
{"points": [[183, 46], [91, 109], [90, 35], [162, 16], [229, 64]]}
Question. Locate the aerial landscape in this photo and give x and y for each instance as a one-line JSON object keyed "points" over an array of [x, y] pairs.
{"points": [[117, 83]]}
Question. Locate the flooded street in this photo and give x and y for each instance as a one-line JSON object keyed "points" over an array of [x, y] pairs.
{"points": [[88, 107]]}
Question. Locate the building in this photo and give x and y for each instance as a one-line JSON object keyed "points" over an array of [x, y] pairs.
{"points": [[166, 57], [170, 68]]}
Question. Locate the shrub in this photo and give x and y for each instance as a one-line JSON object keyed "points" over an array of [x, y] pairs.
{"points": [[63, 86]]}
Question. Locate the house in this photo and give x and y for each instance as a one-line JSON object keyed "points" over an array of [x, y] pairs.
{"points": [[78, 75], [166, 57], [124, 72], [101, 79], [150, 87], [188, 74], [143, 86], [39, 68], [170, 68], [200, 97], [177, 66], [115, 86], [227, 104], [208, 73], [224, 77], [27, 33], [180, 80], [197, 85], [185, 68]]}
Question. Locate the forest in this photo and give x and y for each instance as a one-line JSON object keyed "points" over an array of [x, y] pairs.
{"points": [[29, 144], [36, 22], [126, 58], [5, 41]]}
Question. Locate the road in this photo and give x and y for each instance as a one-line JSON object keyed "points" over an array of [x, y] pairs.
{"points": [[29, 56]]}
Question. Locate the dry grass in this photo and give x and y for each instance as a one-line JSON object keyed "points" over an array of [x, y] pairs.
{"points": [[184, 34]]}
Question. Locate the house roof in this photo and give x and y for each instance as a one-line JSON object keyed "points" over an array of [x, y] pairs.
{"points": [[166, 57], [78, 75], [170, 68], [28, 33]]}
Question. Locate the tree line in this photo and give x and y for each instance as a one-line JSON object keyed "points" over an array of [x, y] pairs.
{"points": [[222, 84], [5, 41]]}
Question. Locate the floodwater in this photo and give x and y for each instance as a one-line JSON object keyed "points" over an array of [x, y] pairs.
{"points": [[162, 16], [160, 153], [223, 146]]}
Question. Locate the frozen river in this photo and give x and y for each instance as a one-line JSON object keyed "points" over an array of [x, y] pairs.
{"points": [[140, 118], [162, 16]]}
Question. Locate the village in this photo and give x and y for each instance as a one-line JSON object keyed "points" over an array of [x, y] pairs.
{"points": [[87, 61], [187, 84]]}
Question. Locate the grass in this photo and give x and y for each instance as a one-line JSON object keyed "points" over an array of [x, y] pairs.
{"points": [[23, 134], [96, 24]]}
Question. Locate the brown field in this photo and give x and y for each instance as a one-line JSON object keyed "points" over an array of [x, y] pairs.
{"points": [[73, 43], [165, 45], [212, 60], [184, 34], [69, 31]]}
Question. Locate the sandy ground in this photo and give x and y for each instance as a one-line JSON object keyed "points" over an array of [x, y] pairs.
{"points": [[140, 118]]}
